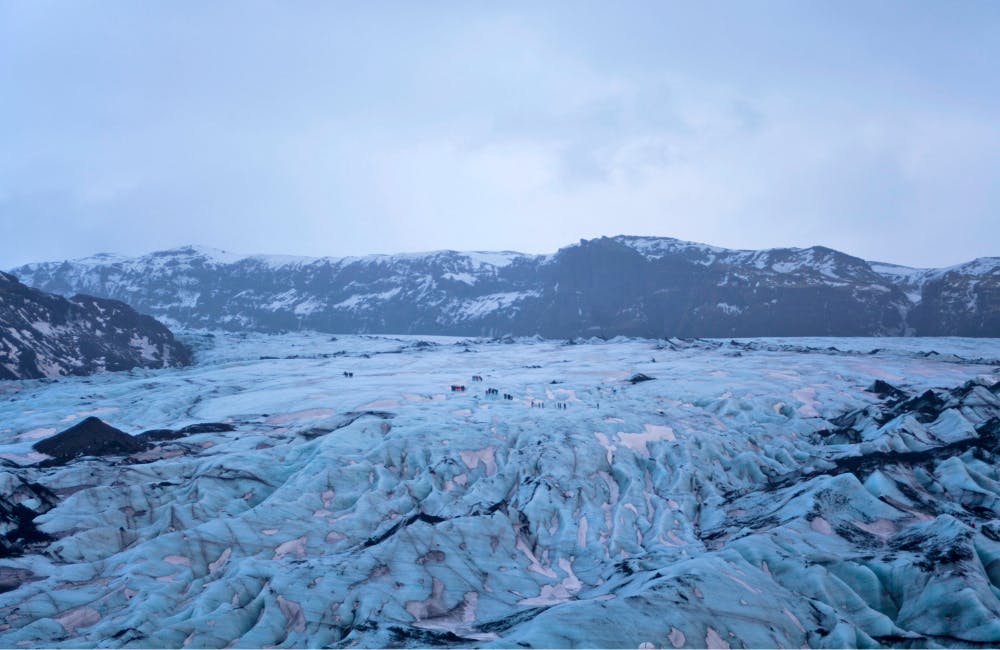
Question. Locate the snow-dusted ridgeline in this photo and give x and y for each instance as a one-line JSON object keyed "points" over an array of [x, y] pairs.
{"points": [[641, 286]]}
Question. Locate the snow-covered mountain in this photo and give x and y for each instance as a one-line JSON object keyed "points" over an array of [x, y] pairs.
{"points": [[643, 286], [45, 335]]}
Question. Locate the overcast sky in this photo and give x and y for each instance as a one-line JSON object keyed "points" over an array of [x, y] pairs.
{"points": [[330, 129]]}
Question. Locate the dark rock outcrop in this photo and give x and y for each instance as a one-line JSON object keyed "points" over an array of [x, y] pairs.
{"points": [[207, 427], [159, 435], [90, 437], [18, 532], [885, 390]]}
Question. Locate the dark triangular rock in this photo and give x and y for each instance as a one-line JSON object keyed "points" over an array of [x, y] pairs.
{"points": [[91, 437], [885, 389]]}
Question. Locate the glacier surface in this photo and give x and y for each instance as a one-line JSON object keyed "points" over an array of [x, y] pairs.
{"points": [[755, 493]]}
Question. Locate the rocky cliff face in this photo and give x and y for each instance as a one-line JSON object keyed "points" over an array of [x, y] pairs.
{"points": [[962, 301], [638, 286], [652, 287], [45, 335]]}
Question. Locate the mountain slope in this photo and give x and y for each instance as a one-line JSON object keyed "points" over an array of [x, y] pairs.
{"points": [[44, 335], [641, 286]]}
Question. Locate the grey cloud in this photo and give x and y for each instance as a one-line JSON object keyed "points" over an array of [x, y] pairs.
{"points": [[327, 129]]}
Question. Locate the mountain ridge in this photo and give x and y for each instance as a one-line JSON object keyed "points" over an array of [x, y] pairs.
{"points": [[629, 285], [47, 336]]}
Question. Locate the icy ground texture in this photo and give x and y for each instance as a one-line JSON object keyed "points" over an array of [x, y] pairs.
{"points": [[752, 495]]}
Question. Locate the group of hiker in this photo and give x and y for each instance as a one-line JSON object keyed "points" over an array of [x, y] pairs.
{"points": [[490, 392], [495, 392]]}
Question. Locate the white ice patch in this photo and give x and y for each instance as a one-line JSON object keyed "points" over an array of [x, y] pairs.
{"points": [[638, 442], [807, 396], [473, 457]]}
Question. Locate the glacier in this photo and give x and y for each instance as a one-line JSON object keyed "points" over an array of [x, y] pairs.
{"points": [[754, 493]]}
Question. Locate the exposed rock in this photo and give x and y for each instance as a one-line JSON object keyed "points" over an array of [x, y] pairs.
{"points": [[207, 427], [159, 435], [91, 437], [885, 389], [23, 502], [155, 435]]}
